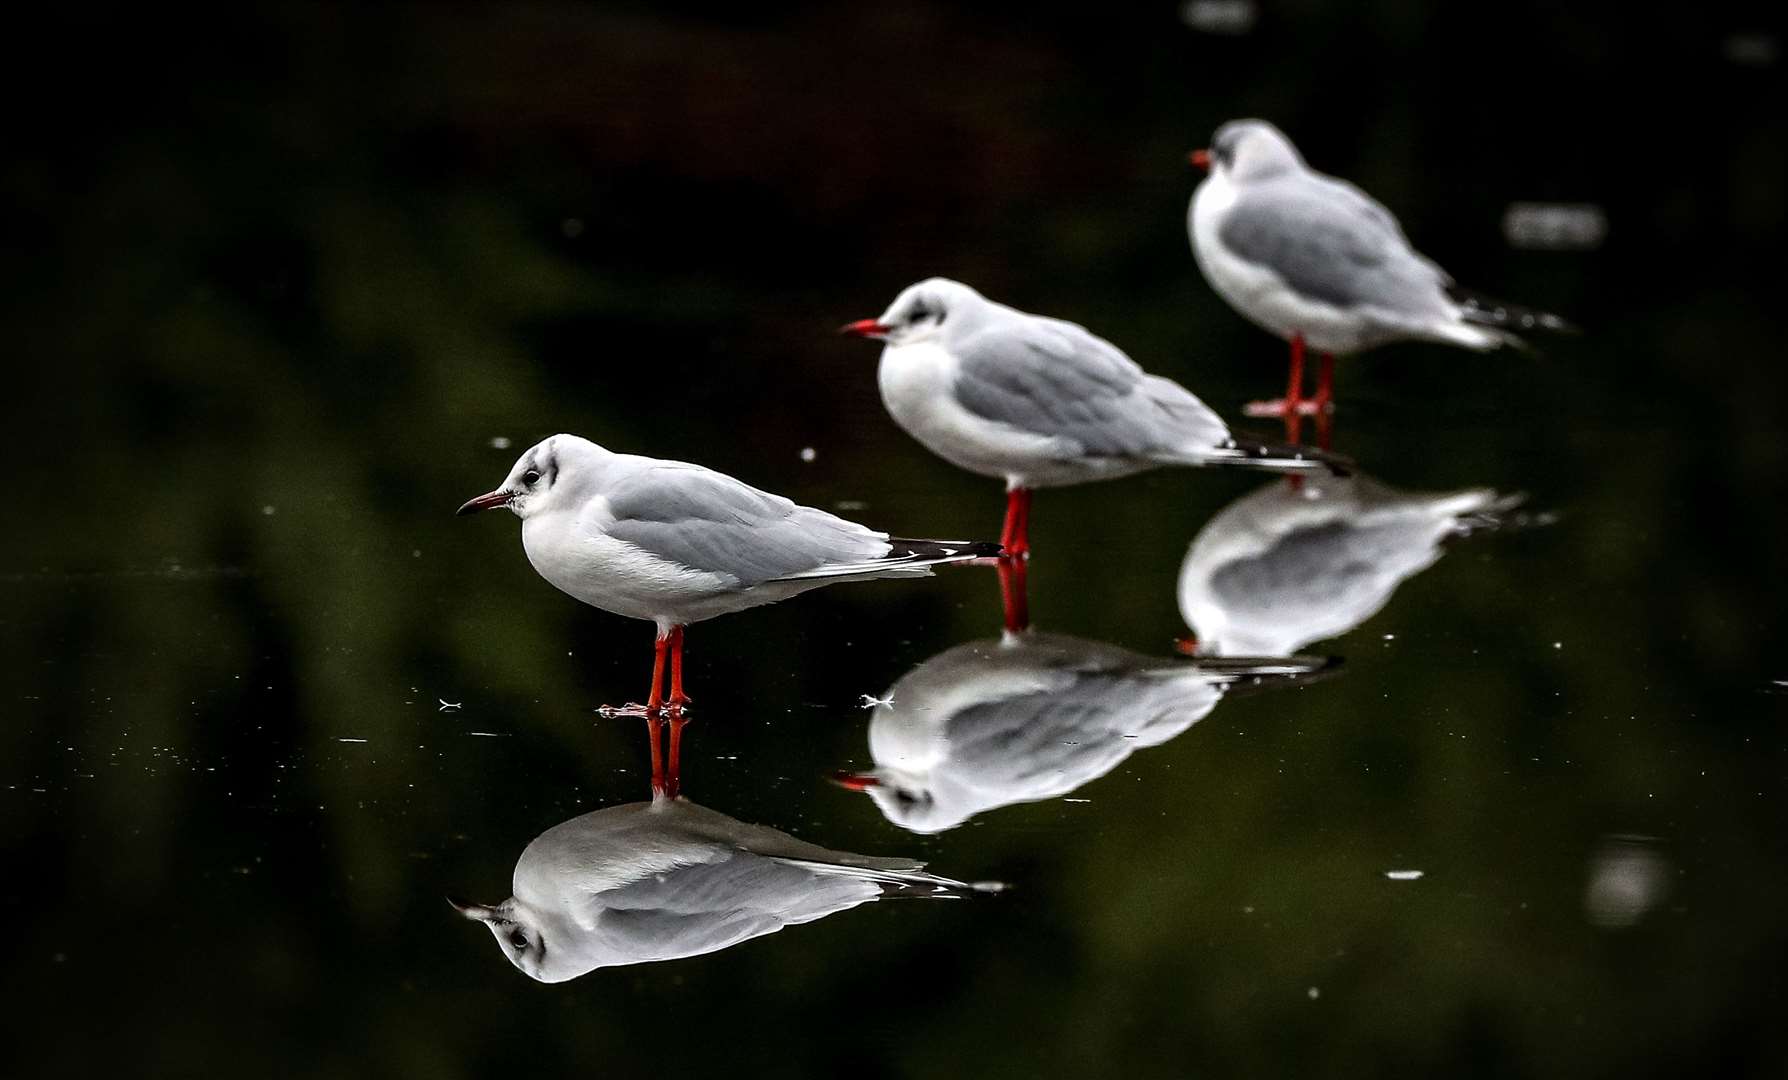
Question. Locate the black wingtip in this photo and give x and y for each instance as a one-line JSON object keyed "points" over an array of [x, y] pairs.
{"points": [[943, 550], [1277, 457], [1475, 307], [1250, 675]]}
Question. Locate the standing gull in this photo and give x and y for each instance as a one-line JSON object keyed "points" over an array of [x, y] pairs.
{"points": [[1317, 261], [1038, 402], [674, 543]]}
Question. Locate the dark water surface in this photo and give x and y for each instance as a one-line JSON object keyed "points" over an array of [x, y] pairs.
{"points": [[285, 288]]}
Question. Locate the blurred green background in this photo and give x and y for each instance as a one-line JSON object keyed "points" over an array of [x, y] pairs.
{"points": [[277, 278]]}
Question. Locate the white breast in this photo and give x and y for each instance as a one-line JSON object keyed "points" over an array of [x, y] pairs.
{"points": [[918, 387], [577, 555], [1258, 294]]}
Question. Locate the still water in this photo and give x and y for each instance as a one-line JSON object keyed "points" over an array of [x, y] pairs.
{"points": [[1472, 762]]}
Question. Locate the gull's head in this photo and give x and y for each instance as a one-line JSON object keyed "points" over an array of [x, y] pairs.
{"points": [[922, 312], [912, 802], [516, 933], [548, 474], [1248, 150]]}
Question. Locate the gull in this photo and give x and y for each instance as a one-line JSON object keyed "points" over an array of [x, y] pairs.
{"points": [[1315, 260], [1038, 402], [1033, 716], [667, 879], [1283, 567], [674, 543]]}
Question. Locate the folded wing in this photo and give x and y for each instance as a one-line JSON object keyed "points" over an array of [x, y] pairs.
{"points": [[1057, 380]]}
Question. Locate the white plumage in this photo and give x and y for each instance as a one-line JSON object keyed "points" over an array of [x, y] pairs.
{"points": [[1302, 254], [1033, 716], [674, 543], [1039, 402], [1287, 566], [668, 879]]}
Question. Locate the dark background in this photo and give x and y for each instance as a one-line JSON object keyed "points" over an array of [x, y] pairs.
{"points": [[276, 277]]}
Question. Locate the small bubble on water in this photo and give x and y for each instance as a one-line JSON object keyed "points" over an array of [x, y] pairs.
{"points": [[808, 453], [268, 510], [1542, 226], [1751, 50], [1233, 17], [499, 442]]}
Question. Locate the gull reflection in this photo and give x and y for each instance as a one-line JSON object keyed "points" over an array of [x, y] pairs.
{"points": [[1292, 564], [1032, 716], [667, 879]]}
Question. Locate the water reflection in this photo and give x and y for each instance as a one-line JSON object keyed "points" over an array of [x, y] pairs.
{"points": [[667, 879], [1031, 716], [1628, 877], [1293, 564]]}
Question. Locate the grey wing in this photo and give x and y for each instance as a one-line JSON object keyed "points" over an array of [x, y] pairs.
{"points": [[708, 521], [703, 907], [1079, 729], [1332, 242], [1057, 380], [1338, 567]]}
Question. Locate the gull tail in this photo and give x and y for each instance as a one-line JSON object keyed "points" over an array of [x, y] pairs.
{"points": [[1500, 320], [1479, 511], [910, 881], [1272, 457], [1244, 675], [905, 558], [936, 552]]}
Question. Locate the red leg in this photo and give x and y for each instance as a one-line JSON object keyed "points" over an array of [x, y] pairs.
{"points": [[1294, 381], [1294, 391], [1325, 430], [656, 698], [674, 778], [1015, 537], [1325, 385], [1014, 596], [654, 725], [1009, 528], [678, 698], [653, 699], [1293, 406]]}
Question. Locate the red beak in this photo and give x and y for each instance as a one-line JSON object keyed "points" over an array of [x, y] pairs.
{"points": [[864, 328], [851, 781], [1200, 159], [484, 502]]}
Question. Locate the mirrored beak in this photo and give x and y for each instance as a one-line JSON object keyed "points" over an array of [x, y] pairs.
{"points": [[865, 328], [484, 502], [477, 912], [1200, 159], [851, 781]]}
